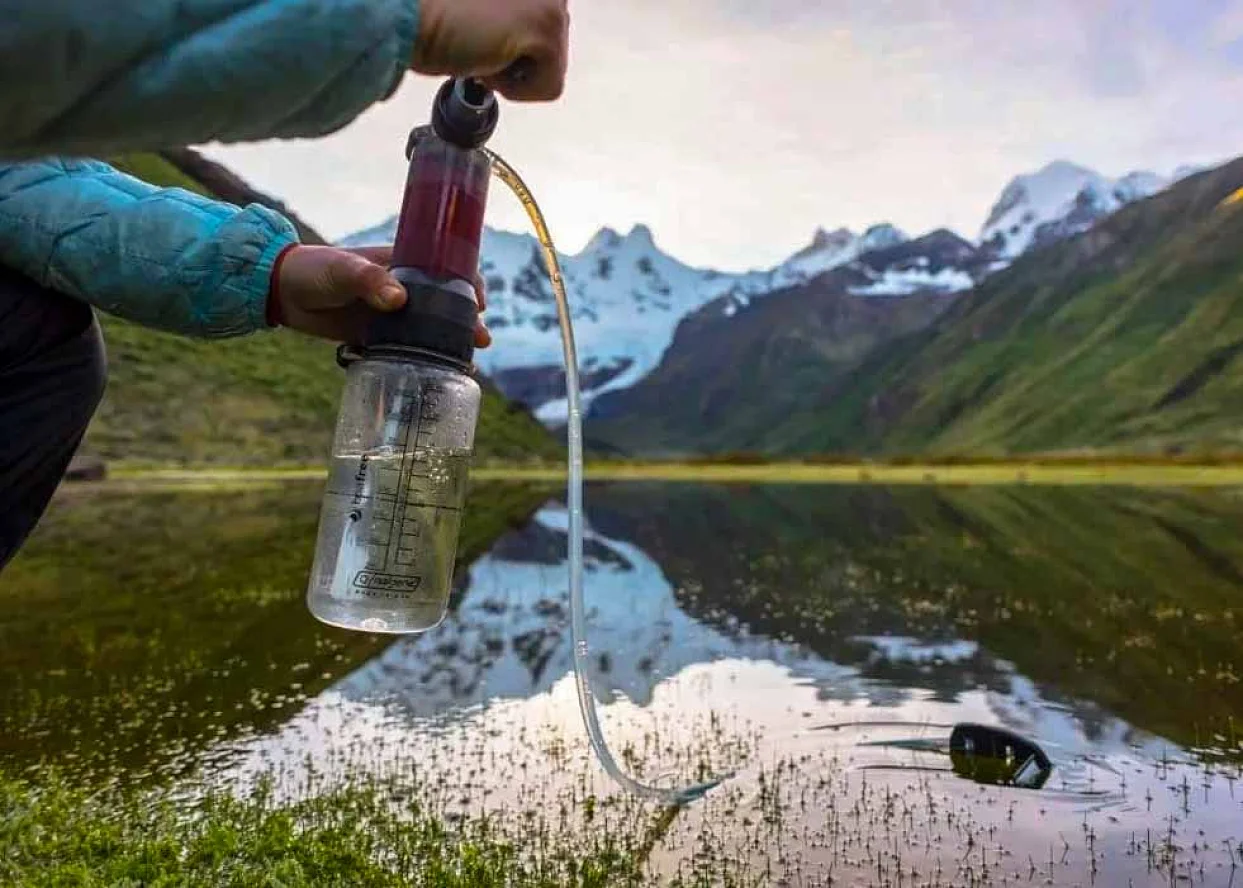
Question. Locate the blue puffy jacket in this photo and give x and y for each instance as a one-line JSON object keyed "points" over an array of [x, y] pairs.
{"points": [[86, 78]]}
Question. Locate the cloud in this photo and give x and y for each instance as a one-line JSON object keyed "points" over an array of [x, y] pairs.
{"points": [[735, 127]]}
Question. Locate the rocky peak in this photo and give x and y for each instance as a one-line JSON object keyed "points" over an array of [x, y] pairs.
{"points": [[878, 237], [641, 236], [606, 238]]}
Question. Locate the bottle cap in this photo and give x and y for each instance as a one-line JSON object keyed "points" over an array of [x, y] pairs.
{"points": [[465, 112]]}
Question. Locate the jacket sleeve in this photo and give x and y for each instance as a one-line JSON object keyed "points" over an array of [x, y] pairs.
{"points": [[161, 257], [96, 77]]}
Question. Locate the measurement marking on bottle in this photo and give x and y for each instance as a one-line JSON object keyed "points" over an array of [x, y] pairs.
{"points": [[397, 526], [369, 579], [379, 500], [387, 499]]}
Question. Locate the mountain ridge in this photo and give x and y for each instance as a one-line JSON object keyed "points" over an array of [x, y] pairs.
{"points": [[628, 297], [1125, 337]]}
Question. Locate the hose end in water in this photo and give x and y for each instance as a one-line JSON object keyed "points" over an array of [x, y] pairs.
{"points": [[689, 794]]}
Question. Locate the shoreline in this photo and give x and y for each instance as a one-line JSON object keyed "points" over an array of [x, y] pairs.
{"points": [[956, 474]]}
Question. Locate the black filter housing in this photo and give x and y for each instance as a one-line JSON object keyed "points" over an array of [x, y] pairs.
{"points": [[438, 317]]}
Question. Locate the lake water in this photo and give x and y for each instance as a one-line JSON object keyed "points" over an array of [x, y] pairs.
{"points": [[819, 641]]}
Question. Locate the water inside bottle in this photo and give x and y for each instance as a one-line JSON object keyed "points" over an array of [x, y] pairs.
{"points": [[388, 538]]}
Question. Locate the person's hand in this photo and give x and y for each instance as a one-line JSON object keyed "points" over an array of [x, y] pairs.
{"points": [[330, 292], [481, 38]]}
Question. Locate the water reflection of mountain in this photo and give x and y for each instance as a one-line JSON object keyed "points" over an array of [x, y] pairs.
{"points": [[154, 621], [510, 635], [509, 638], [1113, 600], [867, 594]]}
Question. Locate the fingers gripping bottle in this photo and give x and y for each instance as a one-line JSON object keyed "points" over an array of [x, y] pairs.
{"points": [[405, 433]]}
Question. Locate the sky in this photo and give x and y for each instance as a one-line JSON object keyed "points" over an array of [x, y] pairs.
{"points": [[735, 128]]}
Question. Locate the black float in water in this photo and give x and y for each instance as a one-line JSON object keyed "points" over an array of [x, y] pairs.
{"points": [[996, 756]]}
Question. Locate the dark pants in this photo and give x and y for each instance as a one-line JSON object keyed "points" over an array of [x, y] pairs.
{"points": [[52, 375]]}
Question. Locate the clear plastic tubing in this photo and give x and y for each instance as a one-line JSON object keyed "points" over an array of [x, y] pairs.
{"points": [[574, 433]]}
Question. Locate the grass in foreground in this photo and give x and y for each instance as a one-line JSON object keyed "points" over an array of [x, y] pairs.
{"points": [[54, 834]]}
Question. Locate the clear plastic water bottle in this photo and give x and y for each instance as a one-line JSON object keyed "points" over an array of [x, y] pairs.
{"points": [[405, 434]]}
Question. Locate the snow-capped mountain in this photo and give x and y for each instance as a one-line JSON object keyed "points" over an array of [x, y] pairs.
{"points": [[627, 297], [832, 249], [938, 262], [1061, 200]]}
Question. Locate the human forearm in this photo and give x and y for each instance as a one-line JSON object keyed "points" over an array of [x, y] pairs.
{"points": [[161, 257], [75, 79]]}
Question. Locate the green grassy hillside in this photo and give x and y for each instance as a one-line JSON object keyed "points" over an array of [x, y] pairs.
{"points": [[728, 379], [254, 400], [1127, 338]]}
